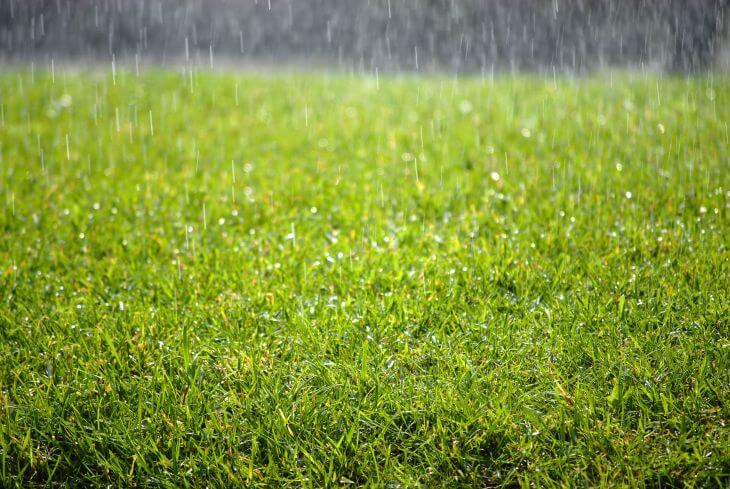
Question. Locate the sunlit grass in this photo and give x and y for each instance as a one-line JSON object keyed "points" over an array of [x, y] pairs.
{"points": [[226, 279]]}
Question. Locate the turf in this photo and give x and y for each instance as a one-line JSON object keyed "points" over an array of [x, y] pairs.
{"points": [[318, 280]]}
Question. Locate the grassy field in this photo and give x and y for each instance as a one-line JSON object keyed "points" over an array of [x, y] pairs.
{"points": [[323, 280]]}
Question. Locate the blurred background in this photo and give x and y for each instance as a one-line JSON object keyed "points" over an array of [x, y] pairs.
{"points": [[365, 36]]}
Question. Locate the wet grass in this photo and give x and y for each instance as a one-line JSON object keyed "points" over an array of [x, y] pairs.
{"points": [[324, 280]]}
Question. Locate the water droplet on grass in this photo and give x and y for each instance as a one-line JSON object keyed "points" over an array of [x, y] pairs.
{"points": [[465, 107]]}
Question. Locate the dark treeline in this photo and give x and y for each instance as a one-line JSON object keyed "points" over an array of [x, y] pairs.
{"points": [[365, 35]]}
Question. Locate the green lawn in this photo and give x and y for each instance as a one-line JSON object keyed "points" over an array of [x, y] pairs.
{"points": [[323, 280]]}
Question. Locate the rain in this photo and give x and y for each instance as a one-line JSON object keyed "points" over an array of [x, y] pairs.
{"points": [[390, 243]]}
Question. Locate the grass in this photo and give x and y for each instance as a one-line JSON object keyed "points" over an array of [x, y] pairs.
{"points": [[323, 280]]}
